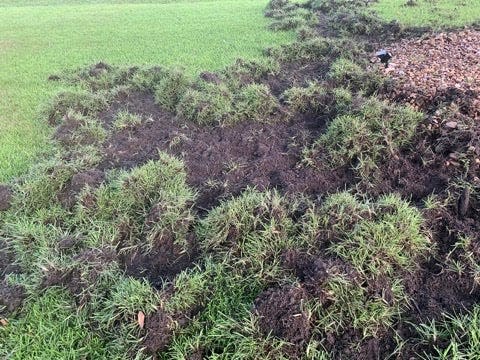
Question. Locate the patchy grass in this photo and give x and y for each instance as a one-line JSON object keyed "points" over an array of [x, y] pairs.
{"points": [[51, 328], [199, 35], [134, 265], [366, 137], [435, 13], [452, 336]]}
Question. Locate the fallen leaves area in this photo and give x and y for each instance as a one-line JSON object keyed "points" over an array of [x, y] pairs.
{"points": [[439, 68]]}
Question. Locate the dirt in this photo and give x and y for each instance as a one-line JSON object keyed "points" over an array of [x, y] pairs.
{"points": [[414, 175], [165, 260], [90, 178], [433, 74], [11, 296], [223, 161], [6, 197], [281, 313], [159, 327]]}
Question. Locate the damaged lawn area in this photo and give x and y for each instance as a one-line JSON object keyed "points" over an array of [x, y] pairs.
{"points": [[36, 41], [292, 207]]}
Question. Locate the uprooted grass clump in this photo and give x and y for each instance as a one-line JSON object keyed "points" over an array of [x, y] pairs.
{"points": [[316, 98], [367, 136]]}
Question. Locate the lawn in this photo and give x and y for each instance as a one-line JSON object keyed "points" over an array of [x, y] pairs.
{"points": [[435, 13], [36, 41]]}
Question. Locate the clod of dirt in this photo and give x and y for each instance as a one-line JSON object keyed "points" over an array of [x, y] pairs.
{"points": [[11, 297], [6, 197], [281, 313], [441, 68], [92, 178], [160, 327]]}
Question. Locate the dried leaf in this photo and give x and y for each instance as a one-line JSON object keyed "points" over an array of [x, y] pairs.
{"points": [[141, 319]]}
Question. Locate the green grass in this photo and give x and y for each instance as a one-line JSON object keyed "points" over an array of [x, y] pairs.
{"points": [[51, 329], [36, 41], [435, 13]]}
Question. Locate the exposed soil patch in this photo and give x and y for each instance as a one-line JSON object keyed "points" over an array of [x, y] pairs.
{"points": [[442, 68], [6, 197], [436, 291], [223, 161], [413, 174], [162, 262], [11, 296], [281, 314], [91, 178], [159, 326]]}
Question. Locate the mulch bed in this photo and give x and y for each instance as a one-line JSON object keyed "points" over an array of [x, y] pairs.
{"points": [[438, 68]]}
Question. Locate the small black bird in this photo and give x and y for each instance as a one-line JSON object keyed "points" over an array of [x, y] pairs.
{"points": [[384, 57]]}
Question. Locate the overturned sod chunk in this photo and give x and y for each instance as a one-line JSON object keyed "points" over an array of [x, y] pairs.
{"points": [[156, 189], [252, 230], [80, 101], [389, 241], [365, 138], [171, 88], [256, 102], [209, 104]]}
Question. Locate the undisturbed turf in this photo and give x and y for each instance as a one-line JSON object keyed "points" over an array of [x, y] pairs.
{"points": [[435, 13], [36, 41]]}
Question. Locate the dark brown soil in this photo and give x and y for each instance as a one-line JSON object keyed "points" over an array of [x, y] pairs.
{"points": [[165, 260], [159, 327], [6, 197], [11, 296], [413, 174], [223, 161], [281, 314], [91, 178]]}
